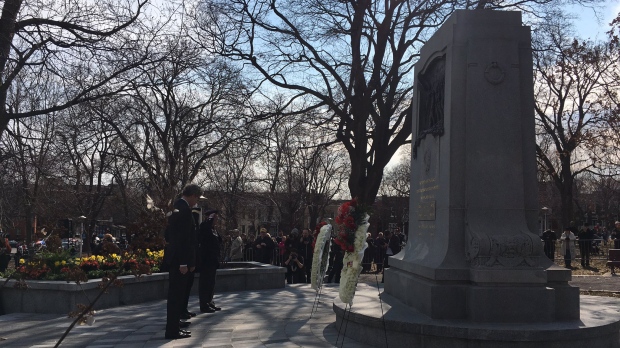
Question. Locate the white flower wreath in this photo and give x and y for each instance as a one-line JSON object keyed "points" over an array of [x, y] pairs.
{"points": [[352, 264], [320, 259]]}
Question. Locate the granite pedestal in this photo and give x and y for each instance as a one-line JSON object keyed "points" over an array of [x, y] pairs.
{"points": [[393, 324]]}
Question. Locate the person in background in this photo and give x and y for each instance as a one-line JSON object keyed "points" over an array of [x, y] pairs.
{"points": [[264, 247], [393, 247], [306, 252], [236, 246], [282, 251], [401, 236], [549, 238], [567, 247], [615, 235], [369, 254], [336, 262], [380, 249], [585, 244], [295, 268], [248, 248], [279, 237], [5, 252]]}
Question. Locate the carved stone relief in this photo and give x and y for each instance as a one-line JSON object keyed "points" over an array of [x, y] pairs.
{"points": [[431, 96], [512, 251]]}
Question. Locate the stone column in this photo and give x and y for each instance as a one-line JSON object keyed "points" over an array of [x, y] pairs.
{"points": [[472, 253]]}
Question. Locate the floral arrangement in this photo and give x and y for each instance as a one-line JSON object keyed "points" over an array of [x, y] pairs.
{"points": [[350, 217], [352, 221], [320, 260], [61, 266], [317, 230]]}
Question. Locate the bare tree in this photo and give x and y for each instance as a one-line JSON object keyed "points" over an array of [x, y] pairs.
{"points": [[47, 42], [30, 144], [230, 176], [348, 61], [299, 172], [575, 92], [85, 142], [189, 108]]}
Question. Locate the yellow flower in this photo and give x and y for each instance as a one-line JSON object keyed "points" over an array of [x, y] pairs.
{"points": [[22, 261], [148, 250], [57, 263], [114, 256], [63, 262]]}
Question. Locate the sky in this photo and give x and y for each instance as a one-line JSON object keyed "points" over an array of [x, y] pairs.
{"points": [[589, 25]]}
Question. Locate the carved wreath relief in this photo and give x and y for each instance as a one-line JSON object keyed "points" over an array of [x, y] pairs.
{"points": [[501, 251], [494, 74]]}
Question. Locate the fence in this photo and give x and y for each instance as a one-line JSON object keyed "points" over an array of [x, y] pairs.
{"points": [[276, 258], [599, 248]]}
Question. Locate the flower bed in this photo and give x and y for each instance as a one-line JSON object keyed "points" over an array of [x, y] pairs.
{"points": [[61, 297], [61, 266]]}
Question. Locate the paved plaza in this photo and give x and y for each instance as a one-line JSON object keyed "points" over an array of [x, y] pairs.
{"points": [[267, 318]]}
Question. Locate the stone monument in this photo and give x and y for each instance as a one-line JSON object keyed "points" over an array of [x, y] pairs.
{"points": [[474, 198], [472, 260]]}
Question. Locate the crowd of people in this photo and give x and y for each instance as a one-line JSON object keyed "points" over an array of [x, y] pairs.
{"points": [[588, 239], [295, 252]]}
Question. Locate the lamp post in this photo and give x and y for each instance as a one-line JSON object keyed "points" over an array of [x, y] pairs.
{"points": [[405, 221], [81, 235], [545, 211]]}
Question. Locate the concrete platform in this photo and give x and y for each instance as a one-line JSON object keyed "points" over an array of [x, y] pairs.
{"points": [[393, 324], [275, 318]]}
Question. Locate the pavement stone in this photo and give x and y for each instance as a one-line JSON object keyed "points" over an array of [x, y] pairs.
{"points": [[249, 319], [265, 319]]}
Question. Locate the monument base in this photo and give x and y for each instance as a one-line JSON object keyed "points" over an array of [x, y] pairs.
{"points": [[498, 302], [393, 324]]}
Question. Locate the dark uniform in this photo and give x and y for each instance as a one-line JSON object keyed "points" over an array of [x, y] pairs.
{"points": [[180, 250], [210, 243]]}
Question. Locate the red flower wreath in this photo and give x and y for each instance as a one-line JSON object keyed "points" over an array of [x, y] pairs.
{"points": [[350, 216]]}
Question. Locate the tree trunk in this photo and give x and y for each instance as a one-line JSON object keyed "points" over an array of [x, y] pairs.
{"points": [[565, 187], [7, 32]]}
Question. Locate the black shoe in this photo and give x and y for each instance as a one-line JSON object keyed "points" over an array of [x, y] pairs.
{"points": [[191, 314], [212, 305], [207, 310], [185, 332], [176, 336], [184, 324]]}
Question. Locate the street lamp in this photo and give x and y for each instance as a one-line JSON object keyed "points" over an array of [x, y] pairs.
{"points": [[81, 235], [405, 221], [545, 211]]}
